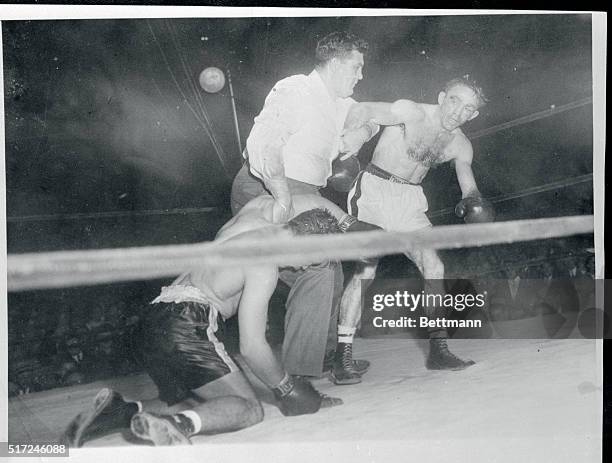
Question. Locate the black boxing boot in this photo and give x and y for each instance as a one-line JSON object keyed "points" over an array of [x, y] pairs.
{"points": [[108, 414], [359, 365], [343, 371], [298, 397], [162, 429], [440, 358]]}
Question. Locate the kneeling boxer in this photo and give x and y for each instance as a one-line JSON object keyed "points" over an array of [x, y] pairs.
{"points": [[201, 389]]}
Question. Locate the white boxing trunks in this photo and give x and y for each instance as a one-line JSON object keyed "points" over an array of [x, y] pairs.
{"points": [[390, 202]]}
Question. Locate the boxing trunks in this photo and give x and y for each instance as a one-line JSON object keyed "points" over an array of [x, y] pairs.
{"points": [[389, 201], [178, 343]]}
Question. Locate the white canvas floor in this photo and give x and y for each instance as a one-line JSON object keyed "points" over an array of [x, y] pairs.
{"points": [[524, 400]]}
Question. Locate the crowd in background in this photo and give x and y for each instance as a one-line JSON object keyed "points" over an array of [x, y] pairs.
{"points": [[73, 336]]}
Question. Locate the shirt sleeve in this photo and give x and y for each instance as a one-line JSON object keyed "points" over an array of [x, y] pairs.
{"points": [[276, 122]]}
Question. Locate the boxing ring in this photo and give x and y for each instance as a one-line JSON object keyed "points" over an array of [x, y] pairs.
{"points": [[488, 410], [520, 401], [525, 399]]}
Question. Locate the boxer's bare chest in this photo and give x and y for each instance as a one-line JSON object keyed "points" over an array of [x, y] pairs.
{"points": [[424, 144], [410, 152]]}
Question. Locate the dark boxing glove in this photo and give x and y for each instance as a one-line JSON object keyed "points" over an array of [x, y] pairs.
{"points": [[299, 397], [475, 209], [344, 173]]}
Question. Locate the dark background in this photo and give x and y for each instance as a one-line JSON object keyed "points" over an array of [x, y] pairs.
{"points": [[106, 116], [98, 112]]}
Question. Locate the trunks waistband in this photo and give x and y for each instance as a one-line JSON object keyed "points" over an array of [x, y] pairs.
{"points": [[378, 172], [181, 293]]}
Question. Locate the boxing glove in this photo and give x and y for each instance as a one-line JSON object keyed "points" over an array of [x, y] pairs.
{"points": [[475, 209], [344, 173], [296, 397]]}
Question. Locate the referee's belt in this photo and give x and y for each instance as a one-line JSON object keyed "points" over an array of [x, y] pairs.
{"points": [[375, 170]]}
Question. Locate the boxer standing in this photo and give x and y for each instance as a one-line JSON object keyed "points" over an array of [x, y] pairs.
{"points": [[388, 193]]}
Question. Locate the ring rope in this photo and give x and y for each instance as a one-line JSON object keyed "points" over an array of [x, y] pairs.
{"points": [[111, 214], [72, 268], [553, 110], [526, 192], [206, 210]]}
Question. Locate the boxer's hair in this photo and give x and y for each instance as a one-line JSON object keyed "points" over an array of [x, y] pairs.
{"points": [[314, 222], [470, 83], [338, 45]]}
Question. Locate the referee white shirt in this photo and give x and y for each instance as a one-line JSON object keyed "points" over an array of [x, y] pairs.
{"points": [[301, 116]]}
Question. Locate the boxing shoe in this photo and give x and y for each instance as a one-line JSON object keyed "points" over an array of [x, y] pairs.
{"points": [[162, 429], [327, 401], [343, 371], [360, 366], [108, 414], [440, 358]]}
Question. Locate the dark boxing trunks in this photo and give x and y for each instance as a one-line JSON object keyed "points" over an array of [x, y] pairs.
{"points": [[177, 345]]}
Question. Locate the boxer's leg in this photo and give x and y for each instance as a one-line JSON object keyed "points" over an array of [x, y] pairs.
{"points": [[226, 404], [203, 387], [365, 203], [432, 269], [345, 371]]}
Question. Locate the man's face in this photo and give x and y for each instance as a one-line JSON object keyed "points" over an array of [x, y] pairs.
{"points": [[346, 72], [457, 106]]}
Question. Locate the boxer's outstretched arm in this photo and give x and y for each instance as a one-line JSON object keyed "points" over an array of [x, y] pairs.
{"points": [[460, 150], [399, 112], [472, 208], [465, 177], [357, 130], [259, 285]]}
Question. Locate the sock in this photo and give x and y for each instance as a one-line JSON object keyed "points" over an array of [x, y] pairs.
{"points": [[346, 334], [194, 419]]}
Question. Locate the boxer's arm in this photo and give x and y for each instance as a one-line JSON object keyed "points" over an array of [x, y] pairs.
{"points": [[399, 112], [472, 208], [357, 130], [465, 177], [259, 285], [460, 150], [354, 139]]}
